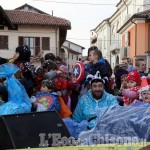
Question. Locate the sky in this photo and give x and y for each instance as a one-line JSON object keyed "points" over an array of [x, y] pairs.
{"points": [[83, 17]]}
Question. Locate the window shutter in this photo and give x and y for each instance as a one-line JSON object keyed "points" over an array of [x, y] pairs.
{"points": [[45, 43], [3, 42], [128, 38], [20, 40], [149, 38], [37, 45]]}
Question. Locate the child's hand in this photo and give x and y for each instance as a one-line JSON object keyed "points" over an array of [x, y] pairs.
{"points": [[58, 72], [122, 86], [11, 60], [59, 93], [41, 53], [35, 104], [74, 80], [86, 62]]}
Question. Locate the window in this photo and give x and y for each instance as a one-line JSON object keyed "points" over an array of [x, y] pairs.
{"points": [[149, 38], [104, 42], [117, 35], [129, 39], [1, 27], [112, 35], [45, 43], [32, 42], [3, 42], [77, 58]]}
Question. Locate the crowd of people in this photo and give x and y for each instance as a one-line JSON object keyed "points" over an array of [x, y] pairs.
{"points": [[52, 86]]}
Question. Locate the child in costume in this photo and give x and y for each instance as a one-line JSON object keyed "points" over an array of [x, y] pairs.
{"points": [[46, 99], [61, 87], [119, 96], [69, 83], [144, 91], [133, 85]]}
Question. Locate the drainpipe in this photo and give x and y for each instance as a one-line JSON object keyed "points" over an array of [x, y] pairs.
{"points": [[126, 6], [109, 40], [135, 36], [56, 43]]}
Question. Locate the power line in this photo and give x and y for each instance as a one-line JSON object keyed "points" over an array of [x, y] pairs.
{"points": [[90, 39], [74, 3], [96, 4]]}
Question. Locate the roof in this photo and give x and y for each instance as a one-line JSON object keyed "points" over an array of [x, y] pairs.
{"points": [[71, 50], [33, 18], [144, 14], [75, 44], [119, 3], [4, 19], [108, 19], [31, 8], [101, 23]]}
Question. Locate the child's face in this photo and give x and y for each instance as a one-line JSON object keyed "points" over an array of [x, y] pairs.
{"points": [[131, 84], [63, 75], [92, 57], [124, 81], [146, 96], [44, 89]]}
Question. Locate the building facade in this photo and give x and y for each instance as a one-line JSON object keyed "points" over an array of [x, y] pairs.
{"points": [[71, 53], [135, 35], [109, 40], [30, 26]]}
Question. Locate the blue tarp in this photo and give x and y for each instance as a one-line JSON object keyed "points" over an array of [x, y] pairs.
{"points": [[123, 124], [18, 100]]}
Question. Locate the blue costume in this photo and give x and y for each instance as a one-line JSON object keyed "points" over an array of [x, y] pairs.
{"points": [[49, 100], [102, 65], [18, 100], [87, 107]]}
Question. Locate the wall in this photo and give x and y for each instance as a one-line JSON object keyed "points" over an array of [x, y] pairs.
{"points": [[30, 31], [73, 46], [103, 39], [132, 44], [141, 39], [70, 62], [121, 16], [146, 35]]}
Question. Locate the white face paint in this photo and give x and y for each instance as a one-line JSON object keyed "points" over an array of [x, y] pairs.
{"points": [[146, 96]]}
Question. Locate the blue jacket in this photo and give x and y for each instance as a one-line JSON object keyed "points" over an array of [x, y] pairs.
{"points": [[87, 106], [102, 66]]}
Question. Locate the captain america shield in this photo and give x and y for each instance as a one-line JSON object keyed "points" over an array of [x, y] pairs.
{"points": [[78, 71]]}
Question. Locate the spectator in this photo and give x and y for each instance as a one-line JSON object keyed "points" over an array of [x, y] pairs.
{"points": [[145, 91], [50, 56], [58, 61], [133, 85], [94, 99], [46, 99], [141, 66]]}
